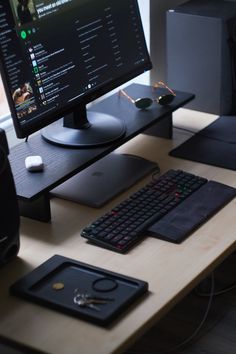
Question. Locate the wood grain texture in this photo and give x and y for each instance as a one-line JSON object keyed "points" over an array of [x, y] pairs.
{"points": [[217, 335], [172, 271]]}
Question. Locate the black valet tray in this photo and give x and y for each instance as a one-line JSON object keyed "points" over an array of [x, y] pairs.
{"points": [[38, 286]]}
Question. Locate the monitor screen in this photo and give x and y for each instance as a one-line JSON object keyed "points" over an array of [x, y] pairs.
{"points": [[59, 55]]}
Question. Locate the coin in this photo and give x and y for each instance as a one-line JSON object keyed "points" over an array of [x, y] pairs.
{"points": [[58, 286]]}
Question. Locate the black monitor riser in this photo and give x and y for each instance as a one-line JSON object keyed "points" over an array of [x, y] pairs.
{"points": [[35, 190]]}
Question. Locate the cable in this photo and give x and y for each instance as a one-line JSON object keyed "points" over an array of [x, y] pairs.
{"points": [[187, 340], [156, 174], [216, 293], [185, 129], [194, 334]]}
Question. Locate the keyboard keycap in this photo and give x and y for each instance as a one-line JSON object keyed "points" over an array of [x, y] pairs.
{"points": [[125, 224]]}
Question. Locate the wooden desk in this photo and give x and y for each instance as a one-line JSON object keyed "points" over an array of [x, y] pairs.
{"points": [[171, 270]]}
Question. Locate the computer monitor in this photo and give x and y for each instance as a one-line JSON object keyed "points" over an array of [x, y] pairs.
{"points": [[59, 55]]}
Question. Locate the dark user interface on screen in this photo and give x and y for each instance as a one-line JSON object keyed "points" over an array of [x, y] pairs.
{"points": [[56, 52]]}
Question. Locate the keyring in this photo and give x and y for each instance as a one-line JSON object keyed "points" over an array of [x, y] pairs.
{"points": [[104, 284]]}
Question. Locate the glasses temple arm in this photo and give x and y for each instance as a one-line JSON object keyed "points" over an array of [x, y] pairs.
{"points": [[122, 92], [161, 83]]}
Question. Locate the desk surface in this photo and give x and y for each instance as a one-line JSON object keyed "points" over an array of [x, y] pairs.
{"points": [[171, 270]]}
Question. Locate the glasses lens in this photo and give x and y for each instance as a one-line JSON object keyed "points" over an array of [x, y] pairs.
{"points": [[143, 103], [165, 99]]}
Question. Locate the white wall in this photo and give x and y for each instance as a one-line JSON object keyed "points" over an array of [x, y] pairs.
{"points": [[144, 6]]}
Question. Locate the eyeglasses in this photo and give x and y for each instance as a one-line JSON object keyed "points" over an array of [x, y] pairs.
{"points": [[146, 102]]}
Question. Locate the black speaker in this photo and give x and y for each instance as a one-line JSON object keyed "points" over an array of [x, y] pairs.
{"points": [[201, 53], [9, 210]]}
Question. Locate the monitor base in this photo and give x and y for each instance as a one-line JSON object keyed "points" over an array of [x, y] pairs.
{"points": [[101, 129]]}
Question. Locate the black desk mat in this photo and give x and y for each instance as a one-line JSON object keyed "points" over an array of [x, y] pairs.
{"points": [[214, 145], [56, 282]]}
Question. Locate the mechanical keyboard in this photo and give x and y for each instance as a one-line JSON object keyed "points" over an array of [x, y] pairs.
{"points": [[127, 223]]}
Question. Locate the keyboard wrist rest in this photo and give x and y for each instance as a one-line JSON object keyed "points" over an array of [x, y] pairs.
{"points": [[192, 212]]}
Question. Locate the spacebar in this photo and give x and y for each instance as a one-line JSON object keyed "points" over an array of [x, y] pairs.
{"points": [[192, 212]]}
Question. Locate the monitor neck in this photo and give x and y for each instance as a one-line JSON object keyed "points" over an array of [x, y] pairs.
{"points": [[77, 119]]}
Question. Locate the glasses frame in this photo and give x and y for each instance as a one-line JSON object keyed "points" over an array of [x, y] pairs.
{"points": [[146, 102]]}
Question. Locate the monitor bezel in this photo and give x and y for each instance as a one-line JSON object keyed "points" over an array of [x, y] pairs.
{"points": [[23, 131]]}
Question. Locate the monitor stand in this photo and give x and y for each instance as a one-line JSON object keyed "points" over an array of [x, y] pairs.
{"points": [[105, 179], [34, 189]]}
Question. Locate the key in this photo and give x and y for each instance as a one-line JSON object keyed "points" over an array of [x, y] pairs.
{"points": [[91, 300], [93, 296], [85, 303]]}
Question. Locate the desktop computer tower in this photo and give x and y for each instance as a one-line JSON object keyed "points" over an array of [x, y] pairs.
{"points": [[9, 211], [201, 42]]}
